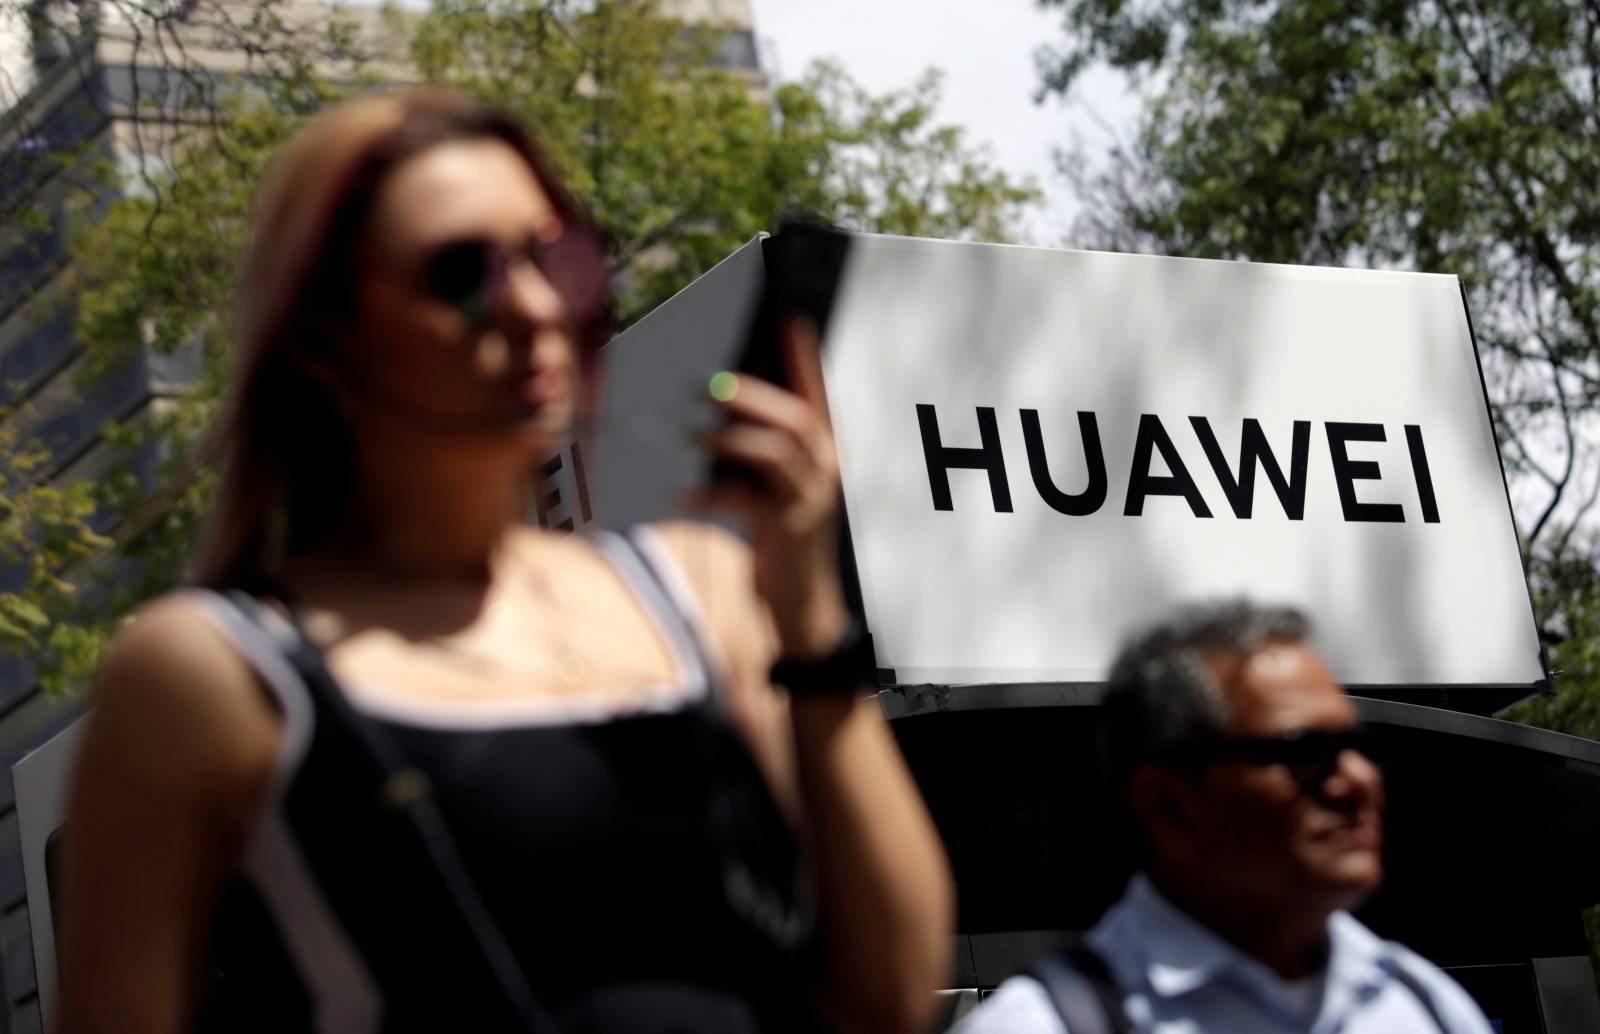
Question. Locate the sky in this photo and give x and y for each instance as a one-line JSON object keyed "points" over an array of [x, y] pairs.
{"points": [[984, 47]]}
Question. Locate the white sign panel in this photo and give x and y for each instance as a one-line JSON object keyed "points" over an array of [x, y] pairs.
{"points": [[637, 464], [1043, 450]]}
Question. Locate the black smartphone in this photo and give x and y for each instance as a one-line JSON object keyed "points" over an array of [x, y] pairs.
{"points": [[803, 263]]}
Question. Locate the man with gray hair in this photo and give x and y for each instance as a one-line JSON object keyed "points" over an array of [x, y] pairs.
{"points": [[1260, 817]]}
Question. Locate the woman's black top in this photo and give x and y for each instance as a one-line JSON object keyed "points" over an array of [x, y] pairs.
{"points": [[634, 861]]}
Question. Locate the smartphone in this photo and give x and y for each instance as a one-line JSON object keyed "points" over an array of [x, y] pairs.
{"points": [[803, 261], [804, 264]]}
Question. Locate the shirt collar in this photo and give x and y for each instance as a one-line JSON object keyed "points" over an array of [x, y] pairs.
{"points": [[1358, 960], [1181, 954]]}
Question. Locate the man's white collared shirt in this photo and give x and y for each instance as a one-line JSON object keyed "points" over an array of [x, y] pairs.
{"points": [[1177, 977]]}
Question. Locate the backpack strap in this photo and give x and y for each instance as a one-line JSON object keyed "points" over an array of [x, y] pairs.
{"points": [[1408, 980], [1082, 989]]}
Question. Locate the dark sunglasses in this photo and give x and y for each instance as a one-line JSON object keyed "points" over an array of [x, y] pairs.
{"points": [[470, 273], [1311, 755]]}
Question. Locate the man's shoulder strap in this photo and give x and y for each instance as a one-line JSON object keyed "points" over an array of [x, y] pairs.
{"points": [[1080, 986], [1409, 980]]}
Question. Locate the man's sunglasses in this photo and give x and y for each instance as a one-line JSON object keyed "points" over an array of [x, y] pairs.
{"points": [[1311, 755], [470, 273]]}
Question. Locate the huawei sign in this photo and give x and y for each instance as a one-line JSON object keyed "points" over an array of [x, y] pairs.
{"points": [[1235, 482]]}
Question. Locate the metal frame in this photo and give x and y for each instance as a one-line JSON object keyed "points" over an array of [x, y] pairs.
{"points": [[41, 787]]}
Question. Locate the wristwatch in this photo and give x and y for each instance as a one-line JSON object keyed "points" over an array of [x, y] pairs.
{"points": [[849, 668]]}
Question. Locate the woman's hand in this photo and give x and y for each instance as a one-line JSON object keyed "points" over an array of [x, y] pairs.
{"points": [[886, 907], [791, 504]]}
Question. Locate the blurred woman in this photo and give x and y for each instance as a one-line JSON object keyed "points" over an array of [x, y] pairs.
{"points": [[399, 761]]}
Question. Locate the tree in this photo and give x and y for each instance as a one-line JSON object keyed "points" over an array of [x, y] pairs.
{"points": [[149, 213], [679, 160], [1456, 136], [1567, 592], [682, 161]]}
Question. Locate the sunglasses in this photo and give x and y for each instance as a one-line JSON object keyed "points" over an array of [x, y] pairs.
{"points": [[1310, 755], [470, 273]]}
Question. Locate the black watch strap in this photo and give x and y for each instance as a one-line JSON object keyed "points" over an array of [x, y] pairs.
{"points": [[850, 668]]}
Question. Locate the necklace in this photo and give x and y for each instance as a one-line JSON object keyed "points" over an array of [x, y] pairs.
{"points": [[569, 666], [564, 633], [558, 656], [505, 623]]}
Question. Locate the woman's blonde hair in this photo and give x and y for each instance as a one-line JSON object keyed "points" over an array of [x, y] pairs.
{"points": [[281, 443]]}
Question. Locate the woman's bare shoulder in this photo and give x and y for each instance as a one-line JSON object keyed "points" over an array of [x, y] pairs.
{"points": [[175, 693], [171, 646], [710, 555], [720, 568]]}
